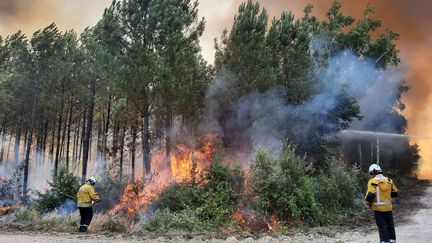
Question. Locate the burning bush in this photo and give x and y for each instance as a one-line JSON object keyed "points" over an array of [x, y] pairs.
{"points": [[210, 200]]}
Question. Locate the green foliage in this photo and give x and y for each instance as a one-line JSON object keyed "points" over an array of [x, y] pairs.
{"points": [[185, 220], [282, 185], [212, 199], [64, 186], [337, 187], [287, 188]]}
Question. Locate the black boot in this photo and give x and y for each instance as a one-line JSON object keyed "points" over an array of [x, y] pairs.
{"points": [[83, 228]]}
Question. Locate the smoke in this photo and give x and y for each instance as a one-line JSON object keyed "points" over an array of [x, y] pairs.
{"points": [[410, 19], [265, 119], [69, 206], [31, 15]]}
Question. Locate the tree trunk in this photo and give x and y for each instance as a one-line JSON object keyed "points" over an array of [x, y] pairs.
{"points": [[51, 151], [29, 140], [25, 142], [105, 135], [17, 144], [59, 129], [68, 137], [9, 145], [76, 140], [3, 141], [168, 136], [122, 151], [145, 134], [86, 142], [62, 147], [44, 142], [82, 134], [134, 136]]}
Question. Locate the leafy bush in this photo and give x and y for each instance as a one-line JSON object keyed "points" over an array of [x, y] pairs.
{"points": [[303, 204], [185, 220], [337, 187], [64, 186], [213, 198], [178, 197], [282, 186]]}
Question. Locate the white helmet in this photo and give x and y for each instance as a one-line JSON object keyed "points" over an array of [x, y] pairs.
{"points": [[92, 180], [374, 168]]}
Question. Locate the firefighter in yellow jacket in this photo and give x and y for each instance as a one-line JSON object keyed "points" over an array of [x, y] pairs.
{"points": [[86, 198], [379, 196]]}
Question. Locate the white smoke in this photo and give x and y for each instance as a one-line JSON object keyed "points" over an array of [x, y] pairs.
{"points": [[271, 119]]}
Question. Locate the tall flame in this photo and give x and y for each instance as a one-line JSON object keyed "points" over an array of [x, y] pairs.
{"points": [[186, 159]]}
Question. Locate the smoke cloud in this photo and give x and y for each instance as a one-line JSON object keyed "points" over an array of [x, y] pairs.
{"points": [[264, 119]]}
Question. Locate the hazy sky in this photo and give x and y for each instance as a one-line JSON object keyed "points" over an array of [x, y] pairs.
{"points": [[410, 18]]}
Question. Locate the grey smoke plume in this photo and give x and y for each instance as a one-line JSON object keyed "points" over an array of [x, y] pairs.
{"points": [[269, 119], [69, 206]]}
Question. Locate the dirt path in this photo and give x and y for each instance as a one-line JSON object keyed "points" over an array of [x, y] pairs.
{"points": [[413, 228]]}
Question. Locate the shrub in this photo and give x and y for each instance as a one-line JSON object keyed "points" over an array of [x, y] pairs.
{"points": [[64, 186], [337, 187], [213, 197], [165, 220], [177, 197], [110, 223], [282, 186]]}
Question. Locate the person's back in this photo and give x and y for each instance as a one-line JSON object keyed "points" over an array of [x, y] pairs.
{"points": [[379, 197], [382, 187], [86, 196]]}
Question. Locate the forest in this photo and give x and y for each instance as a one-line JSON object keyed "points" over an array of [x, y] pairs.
{"points": [[261, 139]]}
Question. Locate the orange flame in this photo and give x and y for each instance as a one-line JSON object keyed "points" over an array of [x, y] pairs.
{"points": [[186, 160]]}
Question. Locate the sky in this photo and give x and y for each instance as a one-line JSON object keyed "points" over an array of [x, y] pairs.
{"points": [[409, 18]]}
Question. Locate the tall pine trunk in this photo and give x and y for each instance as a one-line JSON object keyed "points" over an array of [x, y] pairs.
{"points": [[133, 149], [9, 145], [168, 136], [82, 134], [86, 142], [122, 151], [44, 141], [17, 144], [29, 139], [3, 141], [68, 137], [145, 133], [59, 129], [106, 128]]}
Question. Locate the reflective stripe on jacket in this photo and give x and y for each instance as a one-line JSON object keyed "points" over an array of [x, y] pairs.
{"points": [[379, 193], [86, 195]]}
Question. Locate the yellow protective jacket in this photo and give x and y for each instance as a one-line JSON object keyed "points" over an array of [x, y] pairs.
{"points": [[86, 195], [380, 192]]}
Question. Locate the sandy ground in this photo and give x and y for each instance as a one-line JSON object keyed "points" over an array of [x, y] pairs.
{"points": [[414, 228]]}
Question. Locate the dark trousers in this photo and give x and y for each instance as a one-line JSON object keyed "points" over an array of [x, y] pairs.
{"points": [[86, 217], [385, 223]]}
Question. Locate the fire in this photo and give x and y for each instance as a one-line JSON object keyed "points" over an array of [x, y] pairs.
{"points": [[187, 159]]}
